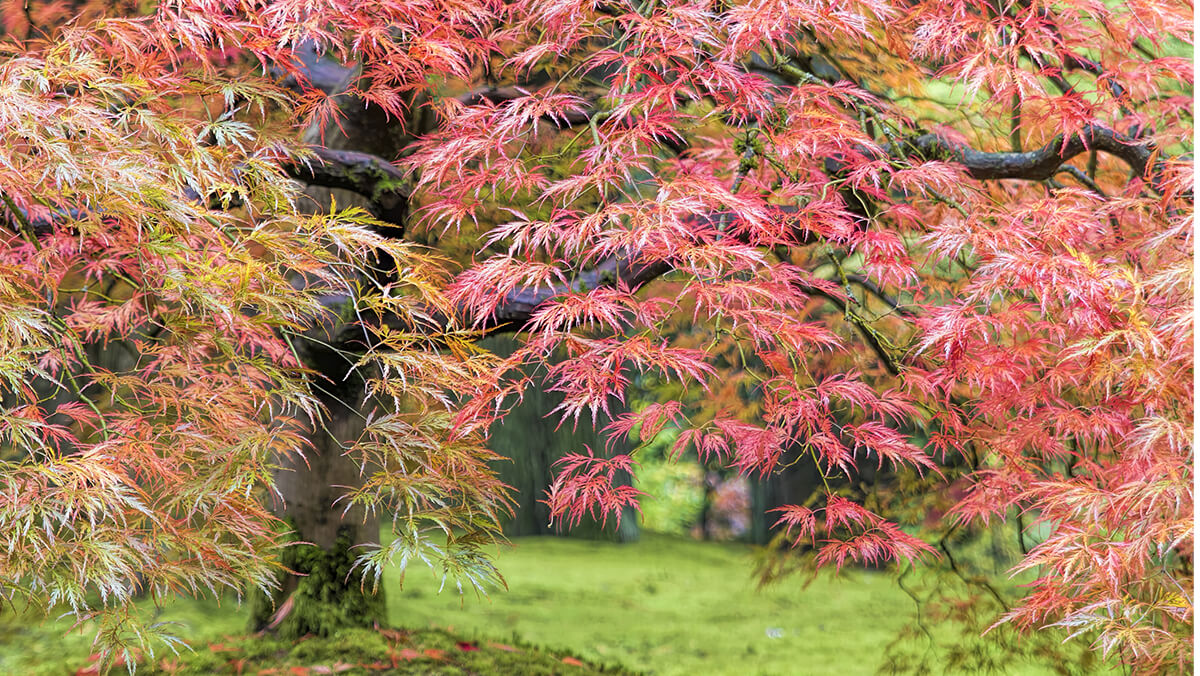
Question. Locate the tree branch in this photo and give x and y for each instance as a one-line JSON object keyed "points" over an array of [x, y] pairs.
{"points": [[1034, 165], [376, 179]]}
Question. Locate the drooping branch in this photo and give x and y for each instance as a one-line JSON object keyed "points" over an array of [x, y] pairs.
{"points": [[1035, 165], [567, 118], [519, 307], [630, 270], [382, 184], [570, 118]]}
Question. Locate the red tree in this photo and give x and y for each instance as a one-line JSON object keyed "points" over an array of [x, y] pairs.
{"points": [[949, 238]]}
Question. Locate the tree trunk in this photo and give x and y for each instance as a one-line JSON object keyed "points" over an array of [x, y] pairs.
{"points": [[792, 484], [324, 592]]}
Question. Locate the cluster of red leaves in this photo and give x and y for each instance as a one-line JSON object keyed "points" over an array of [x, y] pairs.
{"points": [[1051, 346], [1073, 336]]}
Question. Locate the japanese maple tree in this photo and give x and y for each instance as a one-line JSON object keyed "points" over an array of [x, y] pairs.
{"points": [[950, 238]]}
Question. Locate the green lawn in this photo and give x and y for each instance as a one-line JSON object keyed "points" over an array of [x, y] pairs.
{"points": [[670, 606], [664, 605]]}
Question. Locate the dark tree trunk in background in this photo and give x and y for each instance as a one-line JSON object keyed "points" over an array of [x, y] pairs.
{"points": [[794, 484], [532, 443], [791, 485]]}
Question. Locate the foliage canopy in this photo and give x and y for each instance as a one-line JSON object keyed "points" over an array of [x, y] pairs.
{"points": [[948, 239]]}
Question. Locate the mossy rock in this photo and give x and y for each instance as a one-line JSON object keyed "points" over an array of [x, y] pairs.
{"points": [[372, 651]]}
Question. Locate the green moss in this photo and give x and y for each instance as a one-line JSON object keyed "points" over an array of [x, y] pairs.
{"points": [[327, 596], [386, 185], [363, 651], [347, 645]]}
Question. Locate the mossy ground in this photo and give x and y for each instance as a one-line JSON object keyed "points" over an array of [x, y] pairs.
{"points": [[327, 596], [385, 652]]}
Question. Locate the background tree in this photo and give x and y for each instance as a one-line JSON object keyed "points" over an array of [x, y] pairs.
{"points": [[898, 163]]}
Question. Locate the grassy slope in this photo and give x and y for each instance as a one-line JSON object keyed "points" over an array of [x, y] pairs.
{"points": [[663, 605]]}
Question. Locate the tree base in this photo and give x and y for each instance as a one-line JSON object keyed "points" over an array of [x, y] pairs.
{"points": [[321, 594]]}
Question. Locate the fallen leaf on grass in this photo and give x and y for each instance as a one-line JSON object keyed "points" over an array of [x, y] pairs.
{"points": [[572, 661], [467, 646], [409, 654]]}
